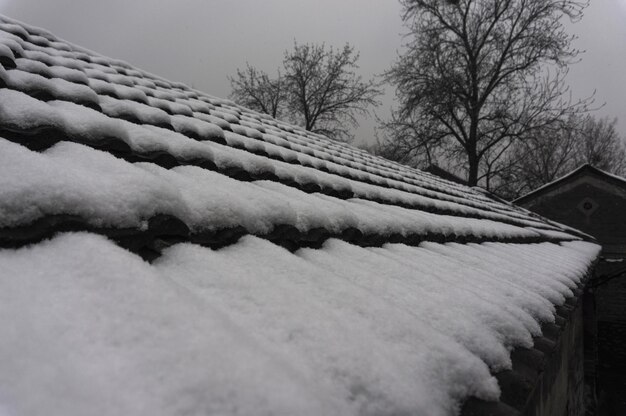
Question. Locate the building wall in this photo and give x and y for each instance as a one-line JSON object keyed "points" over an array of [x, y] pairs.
{"points": [[611, 301], [605, 219], [561, 391], [598, 207], [611, 311], [548, 379]]}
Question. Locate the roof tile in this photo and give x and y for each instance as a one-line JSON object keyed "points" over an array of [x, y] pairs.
{"points": [[399, 292]]}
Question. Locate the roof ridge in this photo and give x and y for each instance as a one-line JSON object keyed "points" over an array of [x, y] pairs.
{"points": [[568, 175]]}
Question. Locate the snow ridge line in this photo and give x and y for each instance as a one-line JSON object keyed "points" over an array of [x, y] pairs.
{"points": [[258, 146], [308, 149], [162, 231], [518, 385], [521, 383], [43, 138]]}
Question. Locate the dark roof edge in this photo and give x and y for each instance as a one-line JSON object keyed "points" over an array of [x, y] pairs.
{"points": [[444, 174], [521, 385], [616, 180], [163, 230]]}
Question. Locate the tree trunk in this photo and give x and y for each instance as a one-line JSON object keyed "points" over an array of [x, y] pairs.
{"points": [[472, 152], [472, 176]]}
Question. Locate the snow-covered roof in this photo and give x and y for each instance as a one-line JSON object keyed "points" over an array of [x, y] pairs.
{"points": [[581, 170], [169, 252]]}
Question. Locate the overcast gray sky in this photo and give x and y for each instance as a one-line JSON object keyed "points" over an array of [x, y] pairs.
{"points": [[201, 42]]}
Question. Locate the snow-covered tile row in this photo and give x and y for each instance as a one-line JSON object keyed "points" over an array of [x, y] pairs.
{"points": [[143, 113], [363, 158], [62, 89], [124, 83], [51, 60], [89, 328], [6, 54], [13, 43], [123, 80], [64, 179], [304, 144], [289, 152], [118, 90], [89, 125], [14, 29], [57, 88], [67, 74], [74, 179]]}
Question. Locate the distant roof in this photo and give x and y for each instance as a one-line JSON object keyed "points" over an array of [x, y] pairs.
{"points": [[585, 169], [442, 173], [171, 252]]}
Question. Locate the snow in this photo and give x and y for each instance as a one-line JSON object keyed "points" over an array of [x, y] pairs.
{"points": [[417, 195], [55, 87], [200, 128], [79, 121], [163, 94], [52, 60], [551, 234], [73, 179], [254, 329], [223, 124], [97, 71], [3, 76], [246, 131], [195, 104], [107, 334], [6, 52], [13, 42], [38, 40], [619, 178], [291, 150], [15, 29], [224, 115], [145, 84], [88, 328], [113, 107], [286, 142], [544, 295], [119, 91], [67, 74], [171, 107], [24, 112]]}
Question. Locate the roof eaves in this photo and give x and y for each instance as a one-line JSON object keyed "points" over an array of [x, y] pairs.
{"points": [[521, 385], [617, 180]]}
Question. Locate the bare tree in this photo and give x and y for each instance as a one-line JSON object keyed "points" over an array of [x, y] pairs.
{"points": [[556, 151], [601, 145], [325, 92], [484, 74], [401, 140], [254, 89], [319, 89]]}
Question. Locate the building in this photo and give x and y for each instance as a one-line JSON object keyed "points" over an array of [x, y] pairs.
{"points": [[594, 201], [169, 252], [442, 173]]}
